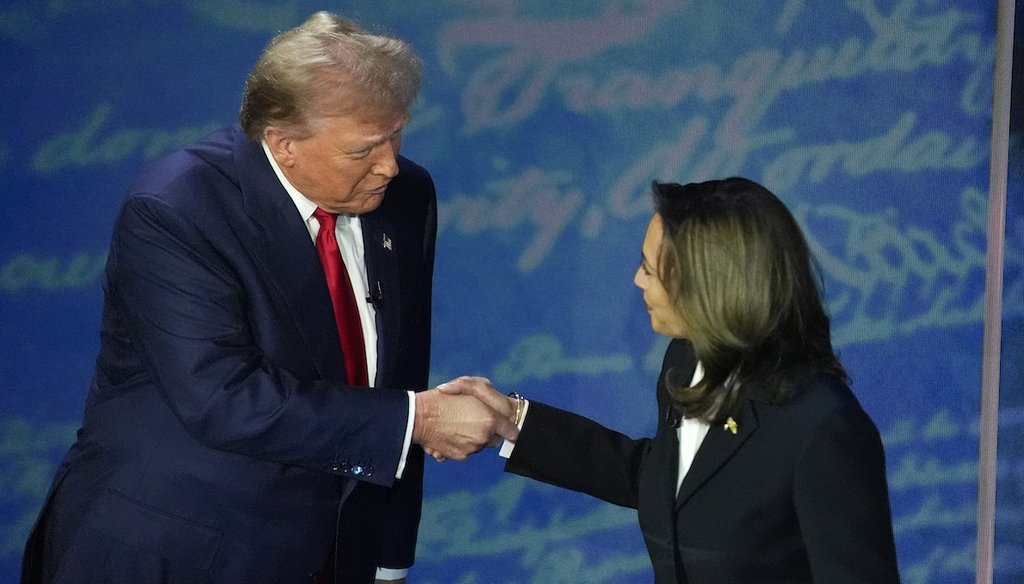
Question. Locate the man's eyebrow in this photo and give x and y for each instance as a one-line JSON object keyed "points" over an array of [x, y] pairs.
{"points": [[377, 141]]}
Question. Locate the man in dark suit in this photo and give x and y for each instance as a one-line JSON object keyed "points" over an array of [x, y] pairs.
{"points": [[248, 421]]}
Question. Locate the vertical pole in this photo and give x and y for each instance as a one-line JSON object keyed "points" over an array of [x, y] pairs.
{"points": [[1000, 143]]}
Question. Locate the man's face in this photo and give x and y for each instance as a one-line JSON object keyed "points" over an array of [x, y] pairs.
{"points": [[346, 164]]}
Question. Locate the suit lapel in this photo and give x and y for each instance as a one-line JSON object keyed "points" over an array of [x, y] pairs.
{"points": [[680, 361], [669, 486], [288, 257], [718, 447], [380, 246]]}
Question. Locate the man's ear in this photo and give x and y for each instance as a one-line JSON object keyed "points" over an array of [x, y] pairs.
{"points": [[281, 146]]}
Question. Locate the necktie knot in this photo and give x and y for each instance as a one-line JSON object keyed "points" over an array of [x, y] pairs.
{"points": [[326, 220]]}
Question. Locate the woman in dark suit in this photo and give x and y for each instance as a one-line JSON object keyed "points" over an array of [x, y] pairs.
{"points": [[764, 467]]}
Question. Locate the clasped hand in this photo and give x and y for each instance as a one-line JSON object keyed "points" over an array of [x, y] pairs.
{"points": [[461, 417]]}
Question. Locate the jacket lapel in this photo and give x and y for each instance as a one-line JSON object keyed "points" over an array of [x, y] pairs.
{"points": [[679, 362], [380, 246], [288, 257], [718, 447]]}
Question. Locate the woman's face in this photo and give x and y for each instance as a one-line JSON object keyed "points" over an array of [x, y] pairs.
{"points": [[664, 318]]}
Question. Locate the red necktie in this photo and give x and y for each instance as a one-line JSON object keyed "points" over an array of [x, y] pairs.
{"points": [[346, 313]]}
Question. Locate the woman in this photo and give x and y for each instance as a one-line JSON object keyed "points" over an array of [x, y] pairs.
{"points": [[764, 467]]}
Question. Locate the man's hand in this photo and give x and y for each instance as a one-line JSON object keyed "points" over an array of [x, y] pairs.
{"points": [[481, 389], [454, 423]]}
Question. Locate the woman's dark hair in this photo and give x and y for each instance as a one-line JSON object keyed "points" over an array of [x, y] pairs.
{"points": [[739, 271]]}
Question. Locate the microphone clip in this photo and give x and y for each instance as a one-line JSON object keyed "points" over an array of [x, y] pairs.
{"points": [[672, 417], [376, 298]]}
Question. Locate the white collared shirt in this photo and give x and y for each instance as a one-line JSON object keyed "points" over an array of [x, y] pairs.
{"points": [[691, 433]]}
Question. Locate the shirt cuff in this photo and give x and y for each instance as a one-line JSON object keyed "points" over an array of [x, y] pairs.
{"points": [[408, 439], [392, 573], [507, 446]]}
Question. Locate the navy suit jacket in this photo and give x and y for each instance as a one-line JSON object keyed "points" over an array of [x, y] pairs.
{"points": [[220, 438], [798, 494]]}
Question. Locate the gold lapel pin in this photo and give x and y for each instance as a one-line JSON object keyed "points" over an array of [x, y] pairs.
{"points": [[731, 425]]}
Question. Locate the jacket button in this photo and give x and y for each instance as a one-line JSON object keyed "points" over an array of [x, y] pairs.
{"points": [[357, 470]]}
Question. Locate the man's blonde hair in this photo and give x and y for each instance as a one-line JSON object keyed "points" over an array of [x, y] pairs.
{"points": [[327, 66]]}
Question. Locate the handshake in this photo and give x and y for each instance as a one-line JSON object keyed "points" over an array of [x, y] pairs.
{"points": [[461, 417]]}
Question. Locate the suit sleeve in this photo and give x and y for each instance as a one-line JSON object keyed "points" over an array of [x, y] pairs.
{"points": [[842, 501], [573, 452], [187, 312], [567, 450]]}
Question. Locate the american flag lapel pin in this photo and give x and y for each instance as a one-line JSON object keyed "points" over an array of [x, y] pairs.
{"points": [[387, 242]]}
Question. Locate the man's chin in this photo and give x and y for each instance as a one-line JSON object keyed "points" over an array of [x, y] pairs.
{"points": [[366, 205]]}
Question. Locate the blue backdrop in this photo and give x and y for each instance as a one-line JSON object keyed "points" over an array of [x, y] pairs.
{"points": [[543, 123]]}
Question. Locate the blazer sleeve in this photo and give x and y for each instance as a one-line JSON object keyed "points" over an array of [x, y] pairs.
{"points": [[570, 451], [842, 501], [189, 313]]}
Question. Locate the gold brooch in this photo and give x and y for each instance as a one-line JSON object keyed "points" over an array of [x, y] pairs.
{"points": [[731, 425]]}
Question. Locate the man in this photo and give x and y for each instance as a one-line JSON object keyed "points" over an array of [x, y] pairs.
{"points": [[249, 420]]}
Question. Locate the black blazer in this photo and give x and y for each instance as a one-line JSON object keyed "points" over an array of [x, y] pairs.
{"points": [[220, 437], [798, 494]]}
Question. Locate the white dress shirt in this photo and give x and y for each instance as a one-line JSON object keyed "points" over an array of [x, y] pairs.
{"points": [[691, 433]]}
